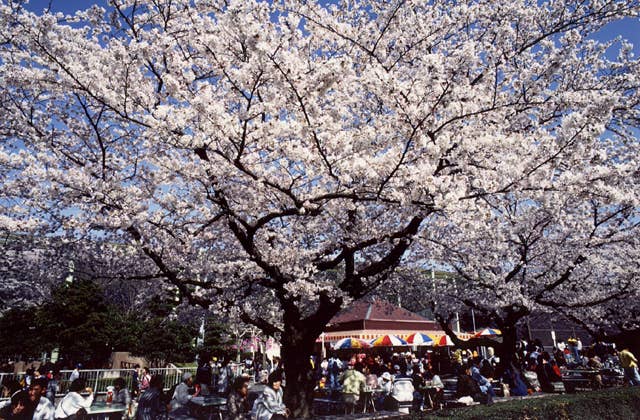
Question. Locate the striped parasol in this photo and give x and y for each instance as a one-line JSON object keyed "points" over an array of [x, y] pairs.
{"points": [[387, 341], [444, 341], [488, 332], [420, 339], [351, 343]]}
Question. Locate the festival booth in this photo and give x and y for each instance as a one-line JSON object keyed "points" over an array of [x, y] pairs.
{"points": [[369, 320]]}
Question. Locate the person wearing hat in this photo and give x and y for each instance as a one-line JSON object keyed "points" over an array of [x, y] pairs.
{"points": [[269, 406], [215, 373], [385, 383], [181, 396]]}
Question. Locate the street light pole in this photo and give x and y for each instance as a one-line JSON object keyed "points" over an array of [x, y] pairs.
{"points": [[69, 279], [455, 289], [473, 318]]}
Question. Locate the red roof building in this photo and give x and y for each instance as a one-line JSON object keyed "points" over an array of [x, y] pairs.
{"points": [[369, 319]]}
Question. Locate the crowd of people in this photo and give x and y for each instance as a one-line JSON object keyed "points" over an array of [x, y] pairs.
{"points": [[399, 378], [388, 380], [33, 396]]}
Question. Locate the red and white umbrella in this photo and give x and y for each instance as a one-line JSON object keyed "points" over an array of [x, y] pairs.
{"points": [[420, 339], [443, 341], [388, 341], [488, 332]]}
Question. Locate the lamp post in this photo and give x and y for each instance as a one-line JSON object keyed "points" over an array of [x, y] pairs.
{"points": [[69, 279]]}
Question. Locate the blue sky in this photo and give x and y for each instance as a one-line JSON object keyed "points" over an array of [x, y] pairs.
{"points": [[629, 28]]}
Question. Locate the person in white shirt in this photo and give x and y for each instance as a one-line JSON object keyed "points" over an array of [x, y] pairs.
{"points": [[385, 382], [75, 374], [402, 392], [181, 396], [43, 409], [73, 401]]}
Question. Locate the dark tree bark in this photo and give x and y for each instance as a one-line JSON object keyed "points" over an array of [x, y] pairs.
{"points": [[505, 348], [296, 349], [297, 344]]}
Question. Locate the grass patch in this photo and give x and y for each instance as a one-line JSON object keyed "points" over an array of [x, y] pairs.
{"points": [[611, 404]]}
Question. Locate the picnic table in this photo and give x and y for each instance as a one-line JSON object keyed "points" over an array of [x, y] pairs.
{"points": [[585, 378], [331, 402], [208, 407], [578, 378], [367, 400], [430, 394], [103, 410]]}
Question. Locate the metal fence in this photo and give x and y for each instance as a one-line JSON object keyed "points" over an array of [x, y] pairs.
{"points": [[100, 379]]}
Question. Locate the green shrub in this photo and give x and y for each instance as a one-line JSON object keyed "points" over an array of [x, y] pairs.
{"points": [[610, 404]]}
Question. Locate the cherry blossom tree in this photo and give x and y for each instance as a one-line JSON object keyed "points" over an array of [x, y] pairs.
{"points": [[562, 255], [279, 160], [616, 320], [27, 269]]}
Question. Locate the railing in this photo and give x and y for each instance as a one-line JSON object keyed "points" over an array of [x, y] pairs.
{"points": [[100, 379], [4, 377]]}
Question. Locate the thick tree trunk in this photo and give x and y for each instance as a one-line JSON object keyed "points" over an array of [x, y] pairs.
{"points": [[297, 347], [507, 350], [298, 339]]}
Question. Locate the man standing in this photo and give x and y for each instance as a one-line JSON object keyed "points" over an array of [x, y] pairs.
{"points": [[353, 383], [42, 407], [204, 375], [135, 382], [145, 379], [335, 365], [630, 365], [215, 374]]}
